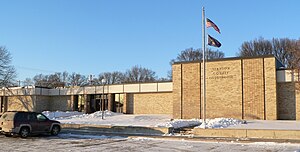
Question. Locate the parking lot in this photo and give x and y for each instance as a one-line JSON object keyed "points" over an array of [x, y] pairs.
{"points": [[76, 142]]}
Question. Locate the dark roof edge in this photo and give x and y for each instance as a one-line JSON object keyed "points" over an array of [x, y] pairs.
{"points": [[230, 58]]}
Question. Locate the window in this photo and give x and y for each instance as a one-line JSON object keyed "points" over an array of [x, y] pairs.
{"points": [[21, 116], [31, 117], [41, 117]]}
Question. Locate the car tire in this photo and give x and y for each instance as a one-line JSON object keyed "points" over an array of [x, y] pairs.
{"points": [[24, 132], [55, 130]]}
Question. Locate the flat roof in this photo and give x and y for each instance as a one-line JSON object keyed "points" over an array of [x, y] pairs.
{"points": [[230, 58]]}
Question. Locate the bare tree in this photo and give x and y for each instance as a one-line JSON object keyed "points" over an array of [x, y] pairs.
{"points": [[28, 82], [7, 71], [211, 54], [115, 77], [76, 79], [55, 80], [139, 74], [284, 49], [196, 55]]}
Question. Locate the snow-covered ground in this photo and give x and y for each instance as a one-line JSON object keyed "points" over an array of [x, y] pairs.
{"points": [[152, 120], [118, 119]]}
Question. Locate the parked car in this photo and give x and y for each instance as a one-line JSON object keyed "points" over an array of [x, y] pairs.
{"points": [[26, 123]]}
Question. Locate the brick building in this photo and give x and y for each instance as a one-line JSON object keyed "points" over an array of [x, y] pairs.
{"points": [[244, 88]]}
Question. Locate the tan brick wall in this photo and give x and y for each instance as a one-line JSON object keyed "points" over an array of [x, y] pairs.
{"points": [[21, 103], [128, 103], [190, 91], [153, 103], [39, 103], [224, 89], [42, 103], [177, 94], [270, 89], [253, 88], [62, 103], [297, 101], [286, 101], [238, 88]]}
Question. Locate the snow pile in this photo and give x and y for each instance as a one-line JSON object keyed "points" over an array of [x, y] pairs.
{"points": [[116, 119], [60, 114], [210, 123], [220, 123], [119, 119], [180, 123], [97, 114]]}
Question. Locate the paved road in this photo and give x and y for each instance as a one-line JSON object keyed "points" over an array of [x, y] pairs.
{"points": [[75, 142]]}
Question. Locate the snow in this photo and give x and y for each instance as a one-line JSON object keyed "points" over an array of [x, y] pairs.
{"points": [[150, 120], [156, 120], [180, 123], [60, 114], [220, 123], [210, 123], [111, 119]]}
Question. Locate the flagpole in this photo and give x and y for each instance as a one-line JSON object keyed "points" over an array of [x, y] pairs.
{"points": [[204, 65]]}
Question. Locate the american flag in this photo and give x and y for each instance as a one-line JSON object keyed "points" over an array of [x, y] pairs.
{"points": [[210, 23]]}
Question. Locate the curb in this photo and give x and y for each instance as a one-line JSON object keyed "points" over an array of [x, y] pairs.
{"points": [[128, 130], [197, 132], [248, 133]]}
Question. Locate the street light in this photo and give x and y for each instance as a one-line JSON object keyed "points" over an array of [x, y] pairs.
{"points": [[103, 84]]}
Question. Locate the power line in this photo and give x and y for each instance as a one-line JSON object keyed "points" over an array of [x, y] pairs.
{"points": [[35, 69]]}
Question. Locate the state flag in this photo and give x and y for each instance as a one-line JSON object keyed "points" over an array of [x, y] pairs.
{"points": [[213, 42]]}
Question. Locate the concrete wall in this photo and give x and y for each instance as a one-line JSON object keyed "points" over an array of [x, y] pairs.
{"points": [[153, 103], [238, 88], [287, 75]]}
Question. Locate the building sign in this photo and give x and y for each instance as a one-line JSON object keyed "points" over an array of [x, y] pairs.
{"points": [[220, 73]]}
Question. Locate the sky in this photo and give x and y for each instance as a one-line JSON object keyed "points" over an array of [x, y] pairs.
{"points": [[95, 36]]}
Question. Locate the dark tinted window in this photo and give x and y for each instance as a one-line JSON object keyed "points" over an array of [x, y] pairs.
{"points": [[32, 116], [21, 116]]}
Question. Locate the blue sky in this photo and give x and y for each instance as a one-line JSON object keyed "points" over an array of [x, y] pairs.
{"points": [[94, 36]]}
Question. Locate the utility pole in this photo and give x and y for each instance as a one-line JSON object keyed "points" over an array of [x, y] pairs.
{"points": [[103, 104]]}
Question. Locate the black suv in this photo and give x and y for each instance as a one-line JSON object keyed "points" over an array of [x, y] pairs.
{"points": [[25, 123]]}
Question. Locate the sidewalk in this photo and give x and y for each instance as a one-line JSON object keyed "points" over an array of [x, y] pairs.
{"points": [[261, 129], [269, 124]]}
